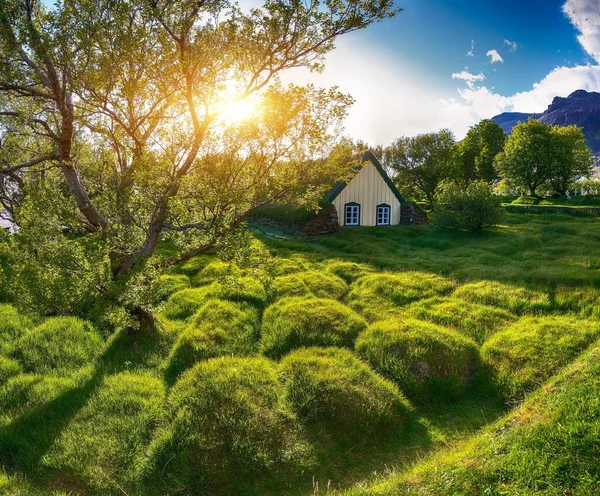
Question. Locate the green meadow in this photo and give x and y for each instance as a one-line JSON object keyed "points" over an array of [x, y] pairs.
{"points": [[384, 361]]}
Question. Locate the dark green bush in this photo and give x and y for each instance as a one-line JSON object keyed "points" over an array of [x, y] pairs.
{"points": [[376, 295], [12, 326], [332, 387], [294, 322], [310, 283], [525, 355], [105, 443], [287, 214], [227, 422], [425, 360], [473, 320], [512, 298], [473, 208], [8, 368], [59, 346], [218, 328]]}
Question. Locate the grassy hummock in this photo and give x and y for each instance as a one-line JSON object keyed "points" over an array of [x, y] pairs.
{"points": [[375, 295], [8, 368], [473, 320], [310, 283], [332, 387], [295, 322], [513, 298], [218, 328], [227, 422], [525, 355], [425, 360], [59, 346]]}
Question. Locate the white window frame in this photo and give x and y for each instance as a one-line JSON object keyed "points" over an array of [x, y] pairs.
{"points": [[352, 214], [383, 212]]}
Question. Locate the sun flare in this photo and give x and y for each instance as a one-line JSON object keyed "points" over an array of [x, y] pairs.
{"points": [[238, 111]]}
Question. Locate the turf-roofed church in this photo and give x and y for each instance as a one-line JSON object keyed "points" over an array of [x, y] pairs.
{"points": [[369, 198]]}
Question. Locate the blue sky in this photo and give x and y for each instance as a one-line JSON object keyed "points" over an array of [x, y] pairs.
{"points": [[450, 63]]}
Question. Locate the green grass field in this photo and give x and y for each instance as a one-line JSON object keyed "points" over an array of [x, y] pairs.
{"points": [[385, 361]]}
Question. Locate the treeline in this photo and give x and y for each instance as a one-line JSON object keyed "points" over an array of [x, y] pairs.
{"points": [[535, 157]]}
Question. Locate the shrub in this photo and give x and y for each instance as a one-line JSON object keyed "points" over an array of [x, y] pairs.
{"points": [[8, 368], [12, 326], [348, 271], [310, 283], [330, 386], [168, 284], [530, 351], [293, 322], [473, 208], [105, 443], [59, 346], [218, 328], [425, 360], [473, 320], [227, 421], [372, 295], [513, 298]]}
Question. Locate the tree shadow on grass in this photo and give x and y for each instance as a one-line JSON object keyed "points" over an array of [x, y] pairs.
{"points": [[25, 440]]}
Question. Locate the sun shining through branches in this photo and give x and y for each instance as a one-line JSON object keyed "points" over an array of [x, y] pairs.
{"points": [[238, 111]]}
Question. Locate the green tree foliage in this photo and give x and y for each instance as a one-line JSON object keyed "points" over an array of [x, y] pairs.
{"points": [[473, 208], [421, 163], [537, 154], [573, 158], [115, 130], [475, 154]]}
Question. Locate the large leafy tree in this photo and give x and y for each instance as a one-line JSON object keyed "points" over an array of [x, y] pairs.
{"points": [[539, 154], [113, 127], [421, 163], [528, 156], [572, 158], [475, 154]]}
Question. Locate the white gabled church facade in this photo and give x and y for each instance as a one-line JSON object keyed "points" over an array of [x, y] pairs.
{"points": [[370, 198]]}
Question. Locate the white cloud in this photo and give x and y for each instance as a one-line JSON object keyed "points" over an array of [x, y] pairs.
{"points": [[512, 45], [467, 76], [471, 52], [585, 16], [494, 56]]}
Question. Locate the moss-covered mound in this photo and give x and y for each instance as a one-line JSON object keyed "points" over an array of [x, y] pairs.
{"points": [[424, 359], [309, 283], [348, 271], [218, 328], [332, 387], [294, 322], [216, 271], [12, 326], [526, 354], [512, 298], [167, 284], [473, 320], [376, 294], [8, 368], [59, 346], [186, 303], [227, 422], [105, 444]]}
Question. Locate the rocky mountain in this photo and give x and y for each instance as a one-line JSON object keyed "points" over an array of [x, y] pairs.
{"points": [[580, 107]]}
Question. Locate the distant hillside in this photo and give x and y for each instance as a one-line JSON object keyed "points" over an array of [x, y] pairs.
{"points": [[580, 107]]}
